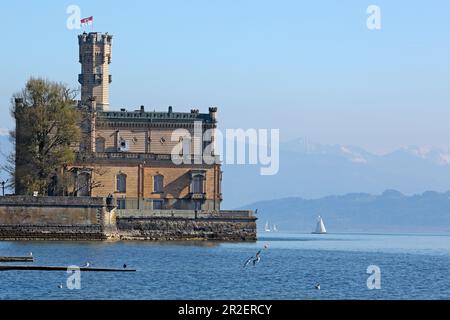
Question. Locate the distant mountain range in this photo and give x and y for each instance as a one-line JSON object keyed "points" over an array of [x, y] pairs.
{"points": [[359, 212], [311, 170], [354, 154]]}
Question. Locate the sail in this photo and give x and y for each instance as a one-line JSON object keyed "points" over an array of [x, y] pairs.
{"points": [[267, 227], [320, 227], [275, 227]]}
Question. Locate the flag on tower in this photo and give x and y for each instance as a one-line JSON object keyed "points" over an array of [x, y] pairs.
{"points": [[87, 21]]}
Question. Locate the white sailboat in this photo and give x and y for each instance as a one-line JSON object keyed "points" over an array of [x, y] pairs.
{"points": [[275, 228], [267, 227], [320, 227]]}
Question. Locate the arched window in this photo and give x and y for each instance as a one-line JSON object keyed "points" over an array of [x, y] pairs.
{"points": [[158, 183], [197, 184], [100, 144], [121, 185]]}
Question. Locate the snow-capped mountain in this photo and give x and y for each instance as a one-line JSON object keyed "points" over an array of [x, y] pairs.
{"points": [[436, 155], [352, 153], [312, 170], [355, 154]]}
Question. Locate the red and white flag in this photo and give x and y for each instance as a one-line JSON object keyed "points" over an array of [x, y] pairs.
{"points": [[87, 21]]}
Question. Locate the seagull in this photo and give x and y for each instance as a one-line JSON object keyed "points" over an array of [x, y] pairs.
{"points": [[248, 261], [31, 254], [257, 258], [317, 286], [87, 264], [60, 286]]}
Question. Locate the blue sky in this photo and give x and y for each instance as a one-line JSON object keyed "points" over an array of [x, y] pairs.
{"points": [[310, 68]]}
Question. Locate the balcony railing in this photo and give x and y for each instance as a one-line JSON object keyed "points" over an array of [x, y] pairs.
{"points": [[80, 156]]}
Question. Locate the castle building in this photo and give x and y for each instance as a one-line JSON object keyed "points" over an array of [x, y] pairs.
{"points": [[129, 153], [95, 57]]}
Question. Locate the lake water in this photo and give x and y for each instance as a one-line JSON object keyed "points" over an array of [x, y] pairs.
{"points": [[412, 267]]}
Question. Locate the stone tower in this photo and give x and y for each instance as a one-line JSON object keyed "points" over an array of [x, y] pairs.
{"points": [[95, 57]]}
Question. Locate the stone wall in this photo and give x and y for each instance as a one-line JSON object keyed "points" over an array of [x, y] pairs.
{"points": [[85, 218], [164, 228], [51, 218], [51, 232]]}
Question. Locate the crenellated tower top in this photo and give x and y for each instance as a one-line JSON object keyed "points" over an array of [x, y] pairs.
{"points": [[95, 57]]}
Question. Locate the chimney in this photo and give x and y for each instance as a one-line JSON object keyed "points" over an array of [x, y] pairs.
{"points": [[170, 109], [142, 109]]}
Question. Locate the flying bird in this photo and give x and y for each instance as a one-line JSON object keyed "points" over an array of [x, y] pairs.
{"points": [[257, 258], [254, 259], [248, 261], [60, 286], [317, 286]]}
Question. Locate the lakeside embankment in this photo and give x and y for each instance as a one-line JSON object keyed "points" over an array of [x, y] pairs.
{"points": [[90, 218]]}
